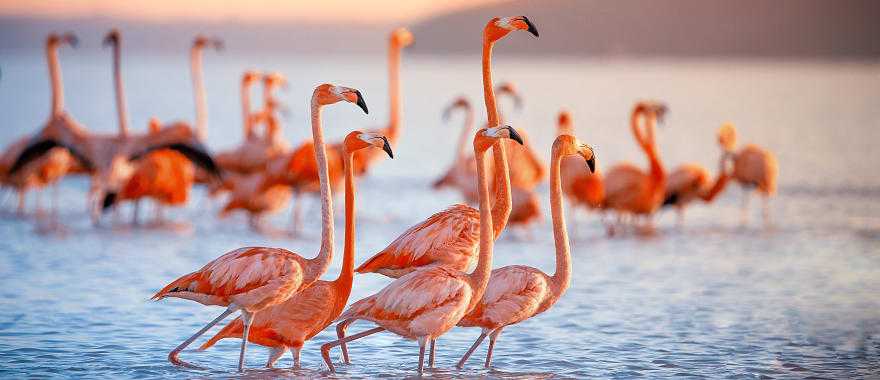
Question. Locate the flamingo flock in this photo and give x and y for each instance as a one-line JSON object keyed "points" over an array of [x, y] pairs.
{"points": [[441, 268]]}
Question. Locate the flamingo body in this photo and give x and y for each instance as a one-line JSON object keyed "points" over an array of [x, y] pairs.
{"points": [[756, 167]]}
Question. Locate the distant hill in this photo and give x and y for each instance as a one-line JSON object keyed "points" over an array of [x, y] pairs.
{"points": [[827, 29]]}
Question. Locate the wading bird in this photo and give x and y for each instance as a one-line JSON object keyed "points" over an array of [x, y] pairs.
{"points": [[583, 188], [252, 279], [629, 190], [290, 324], [49, 169], [754, 168], [691, 181], [427, 302], [516, 293]]}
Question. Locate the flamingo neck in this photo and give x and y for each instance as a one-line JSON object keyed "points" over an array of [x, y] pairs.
{"points": [[479, 278], [199, 92], [346, 274], [658, 173], [56, 81], [246, 110], [466, 132], [503, 202], [394, 90], [121, 108], [488, 89], [562, 276], [321, 262], [718, 185]]}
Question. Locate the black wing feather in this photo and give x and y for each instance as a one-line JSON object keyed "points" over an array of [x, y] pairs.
{"points": [[194, 152], [40, 148]]}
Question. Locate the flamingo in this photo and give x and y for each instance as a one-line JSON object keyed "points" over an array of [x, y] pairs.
{"points": [[47, 170], [231, 161], [628, 189], [527, 169], [198, 81], [517, 292], [450, 237], [754, 168], [163, 175], [691, 181], [582, 187], [291, 323], [438, 247], [460, 174], [302, 168], [426, 303], [251, 279]]}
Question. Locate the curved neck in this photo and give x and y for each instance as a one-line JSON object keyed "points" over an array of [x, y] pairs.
{"points": [[646, 142], [121, 108], [320, 263], [346, 274], [394, 91], [479, 278], [636, 128], [562, 276], [246, 110], [718, 185], [56, 81], [466, 132], [199, 91]]}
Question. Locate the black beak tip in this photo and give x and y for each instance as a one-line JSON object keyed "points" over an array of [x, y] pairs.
{"points": [[387, 148], [361, 103], [108, 201], [532, 29], [591, 163], [514, 135]]}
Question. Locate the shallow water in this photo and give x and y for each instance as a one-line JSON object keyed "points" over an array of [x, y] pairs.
{"points": [[714, 299]]}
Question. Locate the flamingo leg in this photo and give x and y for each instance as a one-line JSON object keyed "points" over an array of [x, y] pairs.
{"points": [[470, 351], [295, 352], [431, 354], [765, 205], [422, 341], [135, 215], [248, 319], [296, 214], [173, 355], [744, 212], [325, 348], [680, 220], [340, 333], [492, 338], [274, 354]]}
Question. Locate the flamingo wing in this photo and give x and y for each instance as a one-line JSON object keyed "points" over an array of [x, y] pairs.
{"points": [[514, 294], [252, 277], [448, 237], [40, 148]]}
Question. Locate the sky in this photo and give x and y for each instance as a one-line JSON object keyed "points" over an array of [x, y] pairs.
{"points": [[365, 11]]}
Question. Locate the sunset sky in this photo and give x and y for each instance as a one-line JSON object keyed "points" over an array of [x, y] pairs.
{"points": [[368, 11]]}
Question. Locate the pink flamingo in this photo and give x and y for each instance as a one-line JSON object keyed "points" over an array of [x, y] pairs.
{"points": [[516, 293], [754, 168], [289, 324], [252, 279], [427, 302]]}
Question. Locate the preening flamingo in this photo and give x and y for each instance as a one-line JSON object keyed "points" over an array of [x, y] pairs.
{"points": [[691, 181], [450, 237], [517, 292], [252, 279], [49, 169], [754, 168], [162, 175], [628, 189], [290, 324], [426, 303]]}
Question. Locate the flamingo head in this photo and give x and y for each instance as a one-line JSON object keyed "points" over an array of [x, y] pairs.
{"points": [[56, 40], [487, 137], [202, 41], [358, 140], [402, 37], [250, 77], [329, 94], [727, 137], [499, 27], [155, 126], [564, 122], [511, 89], [112, 38], [274, 80], [657, 110], [459, 102], [568, 145]]}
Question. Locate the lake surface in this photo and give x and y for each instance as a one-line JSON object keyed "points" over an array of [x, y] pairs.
{"points": [[713, 299]]}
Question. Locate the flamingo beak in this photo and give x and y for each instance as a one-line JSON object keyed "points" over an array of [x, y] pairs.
{"points": [[109, 200], [387, 147], [591, 163], [360, 102], [532, 29], [514, 135], [71, 39]]}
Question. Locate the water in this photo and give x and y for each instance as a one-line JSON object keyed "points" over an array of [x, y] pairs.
{"points": [[714, 299]]}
